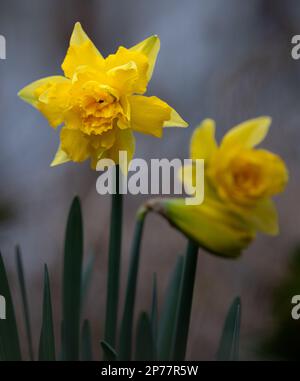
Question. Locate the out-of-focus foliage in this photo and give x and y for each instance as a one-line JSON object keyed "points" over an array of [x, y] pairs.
{"points": [[284, 340], [7, 212]]}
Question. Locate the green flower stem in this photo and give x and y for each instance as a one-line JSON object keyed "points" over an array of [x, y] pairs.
{"points": [[113, 280], [185, 302], [128, 313]]}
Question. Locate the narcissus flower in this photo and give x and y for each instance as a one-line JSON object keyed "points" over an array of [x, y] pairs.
{"points": [[240, 181], [99, 101], [212, 225]]}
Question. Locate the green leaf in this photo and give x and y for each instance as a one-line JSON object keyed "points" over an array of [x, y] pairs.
{"points": [[86, 342], [144, 339], [185, 302], [23, 290], [61, 353], [113, 276], [86, 278], [229, 343], [154, 315], [110, 353], [168, 316], [128, 313], [9, 338], [72, 273], [47, 340]]}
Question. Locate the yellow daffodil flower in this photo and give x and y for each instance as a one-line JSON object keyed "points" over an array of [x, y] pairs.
{"points": [[211, 224], [240, 181], [99, 101], [240, 175]]}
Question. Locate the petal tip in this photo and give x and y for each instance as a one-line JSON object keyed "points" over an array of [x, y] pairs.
{"points": [[155, 37], [19, 94], [78, 36], [266, 120], [184, 124]]}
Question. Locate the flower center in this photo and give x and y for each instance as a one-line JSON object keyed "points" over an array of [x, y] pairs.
{"points": [[97, 109], [240, 178], [246, 176]]}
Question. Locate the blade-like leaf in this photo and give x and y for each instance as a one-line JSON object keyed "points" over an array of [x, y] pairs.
{"points": [[61, 353], [154, 315], [144, 350], [9, 338], [109, 352], [128, 313], [86, 278], [185, 302], [86, 342], [47, 340], [229, 343], [72, 283], [23, 290], [168, 316]]}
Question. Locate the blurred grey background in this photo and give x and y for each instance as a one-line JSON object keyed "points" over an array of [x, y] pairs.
{"points": [[226, 60]]}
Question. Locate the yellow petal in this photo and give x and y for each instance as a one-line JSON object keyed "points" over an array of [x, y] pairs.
{"points": [[79, 36], [60, 157], [32, 92], [50, 96], [124, 77], [135, 75], [75, 144], [247, 134], [264, 217], [276, 172], [210, 224], [149, 115], [81, 52], [175, 120], [203, 143], [105, 140], [124, 141], [150, 48]]}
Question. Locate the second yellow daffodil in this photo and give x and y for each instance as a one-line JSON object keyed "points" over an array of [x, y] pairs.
{"points": [[99, 101], [240, 181], [240, 175]]}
